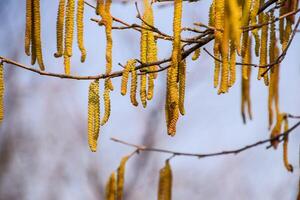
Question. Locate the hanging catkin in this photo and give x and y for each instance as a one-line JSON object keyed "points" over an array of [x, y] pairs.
{"points": [[234, 13], [246, 79], [69, 27], [80, 28], [60, 28], [245, 23], [165, 182], [37, 33], [103, 9], [287, 165], [172, 73], [182, 78], [111, 187], [93, 115], [1, 92], [106, 98], [125, 76], [121, 177], [232, 65], [133, 86], [28, 28], [69, 30], [264, 50], [196, 54], [253, 16], [276, 130]]}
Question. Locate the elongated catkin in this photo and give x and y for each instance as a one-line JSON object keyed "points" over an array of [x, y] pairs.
{"points": [[253, 16], [264, 51], [232, 64], [37, 33], [69, 27], [93, 115], [172, 73], [80, 29], [287, 165], [60, 28], [133, 86], [107, 106], [125, 76], [28, 26], [121, 177], [165, 182], [111, 187], [2, 87], [182, 79]]}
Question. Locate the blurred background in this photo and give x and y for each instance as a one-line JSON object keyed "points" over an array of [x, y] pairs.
{"points": [[43, 139]]}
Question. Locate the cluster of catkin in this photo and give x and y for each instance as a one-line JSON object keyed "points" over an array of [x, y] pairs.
{"points": [[33, 44], [115, 184], [175, 75], [103, 9], [65, 31]]}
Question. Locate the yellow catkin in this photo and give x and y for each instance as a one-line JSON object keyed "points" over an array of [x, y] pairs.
{"points": [[224, 54], [219, 25], [246, 79], [80, 28], [69, 27], [133, 86], [67, 64], [37, 33], [182, 78], [60, 28], [287, 165], [111, 187], [196, 54], [1, 92], [232, 65], [253, 16], [234, 13], [165, 182], [143, 92], [172, 73], [28, 28], [276, 130], [245, 23], [287, 34], [121, 177], [264, 50], [33, 48], [107, 106], [93, 115], [211, 16], [125, 76]]}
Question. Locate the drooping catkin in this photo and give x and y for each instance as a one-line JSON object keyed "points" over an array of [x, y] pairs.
{"points": [[80, 29], [67, 64], [121, 177], [224, 54], [28, 26], [287, 165], [2, 87], [111, 187], [234, 14], [107, 106], [143, 92], [125, 76], [196, 54], [93, 115], [276, 130], [264, 50], [253, 16], [60, 29], [232, 64], [165, 182], [182, 79], [69, 27], [172, 73], [245, 23], [133, 86], [246, 79], [37, 33]]}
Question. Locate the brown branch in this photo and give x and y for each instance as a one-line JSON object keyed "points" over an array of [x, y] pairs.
{"points": [[214, 154], [112, 75]]}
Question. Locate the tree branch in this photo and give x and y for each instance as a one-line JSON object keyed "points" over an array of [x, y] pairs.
{"points": [[214, 154]]}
